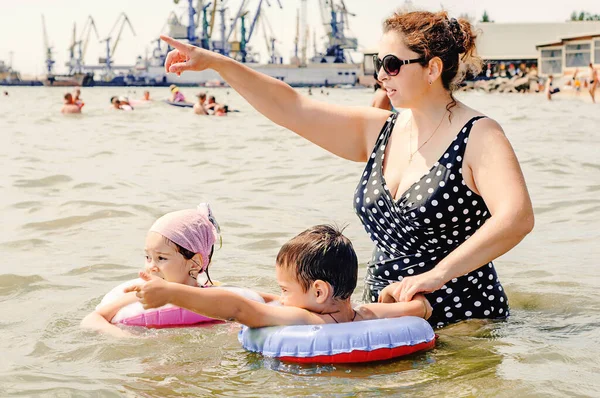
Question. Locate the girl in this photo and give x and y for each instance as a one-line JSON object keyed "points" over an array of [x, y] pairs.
{"points": [[179, 248]]}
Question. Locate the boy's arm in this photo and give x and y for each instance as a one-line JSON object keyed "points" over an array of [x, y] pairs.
{"points": [[99, 319], [219, 304], [268, 297], [419, 306], [222, 304]]}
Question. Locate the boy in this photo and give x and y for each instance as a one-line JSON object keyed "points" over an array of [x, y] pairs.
{"points": [[317, 272]]}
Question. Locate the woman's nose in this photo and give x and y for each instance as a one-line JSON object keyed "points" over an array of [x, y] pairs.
{"points": [[381, 74]]}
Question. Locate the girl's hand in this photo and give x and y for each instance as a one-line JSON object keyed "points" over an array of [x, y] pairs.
{"points": [[152, 294], [186, 57], [406, 289]]}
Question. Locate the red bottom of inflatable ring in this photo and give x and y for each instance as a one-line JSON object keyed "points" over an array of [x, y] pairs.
{"points": [[358, 356]]}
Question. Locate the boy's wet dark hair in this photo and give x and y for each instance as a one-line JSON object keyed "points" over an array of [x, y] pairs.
{"points": [[322, 253]]}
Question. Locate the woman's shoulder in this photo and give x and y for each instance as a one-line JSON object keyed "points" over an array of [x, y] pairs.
{"points": [[481, 123]]}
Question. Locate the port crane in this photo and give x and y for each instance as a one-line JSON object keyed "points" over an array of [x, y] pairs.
{"points": [[122, 20], [335, 20], [47, 49]]}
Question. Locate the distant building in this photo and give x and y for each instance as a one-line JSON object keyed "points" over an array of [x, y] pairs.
{"points": [[367, 77], [517, 42], [563, 56]]}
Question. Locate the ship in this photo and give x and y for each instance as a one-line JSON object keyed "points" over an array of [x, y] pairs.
{"points": [[11, 77]]}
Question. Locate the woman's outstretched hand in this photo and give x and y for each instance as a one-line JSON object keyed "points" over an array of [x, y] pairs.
{"points": [[409, 287], [186, 57]]}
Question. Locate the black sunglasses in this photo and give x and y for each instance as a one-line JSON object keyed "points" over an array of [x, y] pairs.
{"points": [[392, 64]]}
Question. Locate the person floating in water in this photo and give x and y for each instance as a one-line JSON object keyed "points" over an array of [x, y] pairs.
{"points": [[121, 103], [147, 96], [77, 98], [212, 103], [221, 110], [199, 107], [6, 93], [176, 95], [69, 105]]}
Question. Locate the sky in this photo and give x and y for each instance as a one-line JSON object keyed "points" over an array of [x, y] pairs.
{"points": [[21, 27]]}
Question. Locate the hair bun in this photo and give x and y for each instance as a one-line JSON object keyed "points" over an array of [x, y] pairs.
{"points": [[458, 33]]}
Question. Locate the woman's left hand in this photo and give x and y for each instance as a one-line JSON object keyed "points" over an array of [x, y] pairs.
{"points": [[406, 289]]}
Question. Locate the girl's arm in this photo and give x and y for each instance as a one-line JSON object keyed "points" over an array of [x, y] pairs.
{"points": [[99, 320], [348, 132]]}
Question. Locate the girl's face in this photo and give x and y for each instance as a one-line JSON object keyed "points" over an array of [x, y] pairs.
{"points": [[164, 261], [411, 83]]}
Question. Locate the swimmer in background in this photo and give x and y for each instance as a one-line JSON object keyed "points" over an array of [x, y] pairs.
{"points": [[178, 249], [6, 93], [199, 107], [212, 103], [593, 82], [317, 272], [176, 95], [121, 103], [69, 105], [146, 96], [77, 98], [221, 110], [550, 90]]}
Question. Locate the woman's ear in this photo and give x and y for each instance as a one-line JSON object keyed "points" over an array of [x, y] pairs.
{"points": [[322, 291], [436, 67]]}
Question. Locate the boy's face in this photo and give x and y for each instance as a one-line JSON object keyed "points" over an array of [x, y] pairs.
{"points": [[292, 293], [164, 261]]}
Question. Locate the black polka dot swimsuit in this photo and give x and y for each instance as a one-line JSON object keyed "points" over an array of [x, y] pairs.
{"points": [[433, 217]]}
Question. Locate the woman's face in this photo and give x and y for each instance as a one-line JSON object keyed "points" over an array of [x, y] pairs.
{"points": [[164, 261], [411, 83]]}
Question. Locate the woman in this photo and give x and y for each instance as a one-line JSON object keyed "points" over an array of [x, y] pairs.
{"points": [[439, 211]]}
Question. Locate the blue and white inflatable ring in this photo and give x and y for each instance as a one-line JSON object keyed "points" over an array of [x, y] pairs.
{"points": [[351, 342]]}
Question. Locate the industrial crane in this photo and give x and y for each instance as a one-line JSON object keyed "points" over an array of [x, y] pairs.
{"points": [[247, 35], [335, 27], [122, 20], [47, 49], [76, 61], [274, 56], [204, 14]]}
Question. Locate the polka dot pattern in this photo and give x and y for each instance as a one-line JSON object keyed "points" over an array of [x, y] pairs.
{"points": [[433, 217]]}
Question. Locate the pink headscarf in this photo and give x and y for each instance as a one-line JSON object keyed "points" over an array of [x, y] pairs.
{"points": [[193, 229]]}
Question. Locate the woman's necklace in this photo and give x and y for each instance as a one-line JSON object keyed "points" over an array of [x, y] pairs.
{"points": [[410, 156]]}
